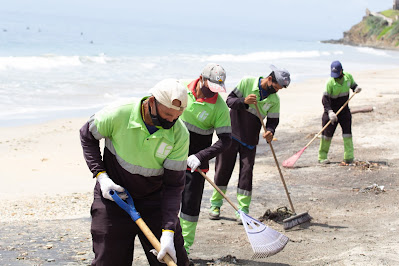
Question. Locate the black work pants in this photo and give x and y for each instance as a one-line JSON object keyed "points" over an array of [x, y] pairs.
{"points": [[345, 121], [113, 232], [225, 163], [192, 196]]}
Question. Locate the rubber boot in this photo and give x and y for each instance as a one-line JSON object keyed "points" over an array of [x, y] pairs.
{"points": [[324, 147], [348, 150], [188, 232]]}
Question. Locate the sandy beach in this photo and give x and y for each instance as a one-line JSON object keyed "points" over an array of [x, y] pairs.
{"points": [[46, 189]]}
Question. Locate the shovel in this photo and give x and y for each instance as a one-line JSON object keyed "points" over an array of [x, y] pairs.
{"points": [[128, 206], [289, 163]]}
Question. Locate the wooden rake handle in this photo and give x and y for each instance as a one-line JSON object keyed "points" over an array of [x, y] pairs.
{"points": [[329, 122], [217, 188], [275, 159]]}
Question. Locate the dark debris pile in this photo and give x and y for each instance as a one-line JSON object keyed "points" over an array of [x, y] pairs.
{"points": [[226, 259], [277, 216], [366, 165]]}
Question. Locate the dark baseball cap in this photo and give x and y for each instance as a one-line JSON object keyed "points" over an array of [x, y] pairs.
{"points": [[282, 76], [336, 69]]}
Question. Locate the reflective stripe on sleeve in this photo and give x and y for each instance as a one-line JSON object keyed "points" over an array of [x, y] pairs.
{"points": [[175, 165], [221, 130], [93, 128]]}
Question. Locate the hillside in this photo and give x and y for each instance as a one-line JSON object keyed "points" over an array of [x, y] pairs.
{"points": [[379, 30]]}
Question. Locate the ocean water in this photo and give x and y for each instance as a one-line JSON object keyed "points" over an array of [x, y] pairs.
{"points": [[58, 65]]}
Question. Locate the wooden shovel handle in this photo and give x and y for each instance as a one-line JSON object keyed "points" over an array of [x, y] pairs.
{"points": [[154, 241]]}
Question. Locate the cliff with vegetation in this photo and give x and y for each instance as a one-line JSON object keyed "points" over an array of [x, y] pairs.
{"points": [[378, 30]]}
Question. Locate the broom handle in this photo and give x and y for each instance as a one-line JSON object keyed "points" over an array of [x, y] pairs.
{"points": [[329, 122], [275, 159], [217, 188]]}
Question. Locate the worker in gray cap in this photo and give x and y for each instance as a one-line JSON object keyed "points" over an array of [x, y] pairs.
{"points": [[246, 127], [205, 114]]}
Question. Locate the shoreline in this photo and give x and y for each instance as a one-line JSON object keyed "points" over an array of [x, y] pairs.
{"points": [[47, 157]]}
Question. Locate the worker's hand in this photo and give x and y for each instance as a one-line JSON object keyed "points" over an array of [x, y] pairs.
{"points": [[106, 184], [357, 90], [250, 99], [333, 117], [193, 162], [268, 135], [167, 246]]}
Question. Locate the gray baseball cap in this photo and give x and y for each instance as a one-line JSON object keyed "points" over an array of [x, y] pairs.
{"points": [[282, 76], [216, 75]]}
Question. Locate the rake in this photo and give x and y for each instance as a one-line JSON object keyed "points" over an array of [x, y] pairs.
{"points": [[289, 163], [128, 206], [296, 219], [264, 240]]}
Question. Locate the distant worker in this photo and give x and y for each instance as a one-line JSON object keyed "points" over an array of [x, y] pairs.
{"points": [[246, 127], [206, 112], [335, 96]]}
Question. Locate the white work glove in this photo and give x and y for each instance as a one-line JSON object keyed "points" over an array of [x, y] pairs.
{"points": [[106, 184], [193, 162], [357, 90], [167, 246], [333, 117]]}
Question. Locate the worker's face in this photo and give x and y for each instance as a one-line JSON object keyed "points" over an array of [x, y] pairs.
{"points": [[276, 86], [168, 113], [163, 116], [205, 88], [270, 85]]}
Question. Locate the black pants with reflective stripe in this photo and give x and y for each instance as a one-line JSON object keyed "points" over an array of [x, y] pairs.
{"points": [[344, 119], [226, 161], [113, 232], [192, 195]]}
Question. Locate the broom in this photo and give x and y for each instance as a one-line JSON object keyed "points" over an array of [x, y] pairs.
{"points": [[296, 219], [264, 240], [289, 163], [128, 206]]}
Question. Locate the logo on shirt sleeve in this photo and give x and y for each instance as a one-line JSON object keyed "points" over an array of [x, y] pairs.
{"points": [[163, 150]]}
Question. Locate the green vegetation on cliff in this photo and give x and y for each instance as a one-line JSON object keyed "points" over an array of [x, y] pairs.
{"points": [[379, 30]]}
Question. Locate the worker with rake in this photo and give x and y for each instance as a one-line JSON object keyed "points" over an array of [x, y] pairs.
{"points": [[246, 127], [335, 96], [206, 112], [145, 153]]}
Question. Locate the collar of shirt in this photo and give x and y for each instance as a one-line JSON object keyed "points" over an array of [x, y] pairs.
{"points": [[263, 93]]}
